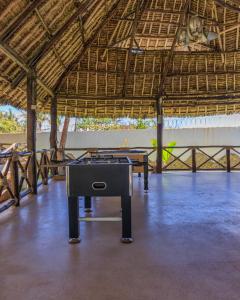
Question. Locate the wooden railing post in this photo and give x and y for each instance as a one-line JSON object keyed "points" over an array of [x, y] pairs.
{"points": [[45, 168], [31, 127], [159, 162], [53, 132], [194, 166], [228, 158], [15, 178]]}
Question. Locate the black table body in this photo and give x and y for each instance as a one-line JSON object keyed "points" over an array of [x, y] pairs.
{"points": [[139, 160], [90, 177]]}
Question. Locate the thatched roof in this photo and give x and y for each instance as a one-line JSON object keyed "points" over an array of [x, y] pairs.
{"points": [[82, 51]]}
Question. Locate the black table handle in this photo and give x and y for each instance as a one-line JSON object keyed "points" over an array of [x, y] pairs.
{"points": [[97, 186]]}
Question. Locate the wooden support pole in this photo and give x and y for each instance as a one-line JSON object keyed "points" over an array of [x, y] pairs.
{"points": [[31, 127], [53, 132], [53, 115], [159, 162], [194, 165], [15, 178], [228, 158], [45, 168]]}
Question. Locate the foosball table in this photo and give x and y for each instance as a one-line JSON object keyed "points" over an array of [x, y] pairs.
{"points": [[139, 159], [99, 177]]}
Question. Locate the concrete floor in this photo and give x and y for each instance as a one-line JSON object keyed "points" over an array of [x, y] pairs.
{"points": [[187, 244]]}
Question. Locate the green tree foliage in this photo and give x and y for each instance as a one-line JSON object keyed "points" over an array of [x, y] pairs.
{"points": [[9, 123], [144, 124], [165, 154], [41, 119], [97, 124], [110, 124]]}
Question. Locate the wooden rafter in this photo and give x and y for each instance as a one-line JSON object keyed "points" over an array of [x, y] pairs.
{"points": [[12, 54], [219, 36], [49, 34], [140, 6], [49, 45], [79, 97], [146, 21], [140, 73], [15, 25], [111, 42], [83, 104], [171, 52], [81, 29], [119, 41], [165, 11], [228, 6], [88, 43], [233, 27], [214, 51], [80, 21]]}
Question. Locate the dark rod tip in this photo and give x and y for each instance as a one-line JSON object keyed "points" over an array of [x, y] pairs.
{"points": [[126, 240], [74, 240]]}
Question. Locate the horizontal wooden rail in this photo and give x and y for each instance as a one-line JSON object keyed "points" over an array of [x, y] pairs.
{"points": [[15, 180], [184, 158], [14, 166]]}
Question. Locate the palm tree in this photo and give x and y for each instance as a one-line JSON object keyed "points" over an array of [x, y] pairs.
{"points": [[9, 123], [64, 132], [41, 118]]}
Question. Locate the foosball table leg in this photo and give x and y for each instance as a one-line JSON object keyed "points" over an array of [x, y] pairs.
{"points": [[126, 220], [139, 175], [73, 212], [87, 204], [146, 173]]}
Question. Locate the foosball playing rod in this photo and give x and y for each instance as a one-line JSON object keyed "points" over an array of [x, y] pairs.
{"points": [[100, 219]]}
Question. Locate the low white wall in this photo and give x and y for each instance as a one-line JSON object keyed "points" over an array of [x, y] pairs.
{"points": [[42, 139], [117, 138], [183, 137]]}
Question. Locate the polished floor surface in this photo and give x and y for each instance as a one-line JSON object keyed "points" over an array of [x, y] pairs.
{"points": [[186, 247]]}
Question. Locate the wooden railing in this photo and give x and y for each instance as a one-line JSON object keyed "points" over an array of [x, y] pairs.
{"points": [[7, 147], [203, 158], [183, 158], [15, 181]]}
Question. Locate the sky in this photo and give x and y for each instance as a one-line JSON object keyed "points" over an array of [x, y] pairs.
{"points": [[187, 122], [6, 108]]}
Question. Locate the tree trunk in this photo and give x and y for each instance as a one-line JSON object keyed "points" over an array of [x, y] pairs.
{"points": [[64, 133], [61, 152]]}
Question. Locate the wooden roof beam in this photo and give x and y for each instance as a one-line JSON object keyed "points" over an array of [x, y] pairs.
{"points": [[48, 45], [207, 19], [146, 21], [49, 34], [111, 40], [235, 26], [15, 25], [87, 44], [219, 37], [201, 93], [171, 52], [101, 98], [216, 73], [119, 41], [214, 50], [150, 73], [80, 21], [140, 7], [10, 53], [191, 103], [171, 106], [164, 11], [228, 6], [81, 29]]}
